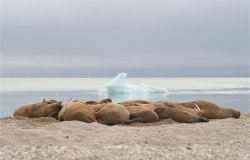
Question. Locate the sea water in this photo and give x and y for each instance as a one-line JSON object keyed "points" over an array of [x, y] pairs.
{"points": [[226, 92]]}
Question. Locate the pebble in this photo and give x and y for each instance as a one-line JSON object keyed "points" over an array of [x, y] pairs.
{"points": [[123, 152]]}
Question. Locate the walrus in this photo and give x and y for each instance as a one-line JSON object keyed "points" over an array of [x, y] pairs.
{"points": [[176, 112], [142, 114], [107, 100], [211, 110], [79, 111], [45, 108], [134, 102], [111, 114]]}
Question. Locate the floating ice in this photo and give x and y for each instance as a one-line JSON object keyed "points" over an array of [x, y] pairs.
{"points": [[119, 85], [119, 90]]}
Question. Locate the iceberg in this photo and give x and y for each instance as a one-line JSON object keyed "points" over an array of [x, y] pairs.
{"points": [[119, 85], [119, 90]]}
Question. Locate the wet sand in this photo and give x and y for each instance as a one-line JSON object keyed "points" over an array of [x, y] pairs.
{"points": [[47, 138]]}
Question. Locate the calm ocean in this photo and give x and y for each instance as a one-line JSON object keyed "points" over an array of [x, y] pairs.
{"points": [[226, 92]]}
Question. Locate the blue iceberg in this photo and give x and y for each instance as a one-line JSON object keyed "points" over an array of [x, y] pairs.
{"points": [[119, 90], [119, 85]]}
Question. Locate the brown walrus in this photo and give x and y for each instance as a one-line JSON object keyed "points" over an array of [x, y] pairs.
{"points": [[45, 108], [144, 111], [139, 113], [211, 110], [133, 102], [79, 111], [111, 113], [107, 100], [177, 113]]}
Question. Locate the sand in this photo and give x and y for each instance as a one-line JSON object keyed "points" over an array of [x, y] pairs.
{"points": [[47, 138]]}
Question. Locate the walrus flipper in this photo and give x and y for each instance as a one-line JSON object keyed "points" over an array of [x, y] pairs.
{"points": [[137, 119], [196, 120], [91, 102], [54, 115], [203, 119]]}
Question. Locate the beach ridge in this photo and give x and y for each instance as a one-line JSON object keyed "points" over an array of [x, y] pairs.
{"points": [[47, 138]]}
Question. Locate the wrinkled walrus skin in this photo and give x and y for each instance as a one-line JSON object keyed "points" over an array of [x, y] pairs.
{"points": [[126, 112], [141, 114], [49, 108], [134, 102], [107, 100], [111, 114], [211, 110], [77, 111], [144, 111], [176, 112]]}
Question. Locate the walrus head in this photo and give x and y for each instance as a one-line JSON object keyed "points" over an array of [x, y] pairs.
{"points": [[161, 112], [51, 101], [229, 113], [169, 104], [54, 107], [107, 100]]}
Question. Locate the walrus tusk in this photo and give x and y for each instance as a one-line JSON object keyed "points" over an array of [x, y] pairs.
{"points": [[69, 101], [57, 97], [197, 108]]}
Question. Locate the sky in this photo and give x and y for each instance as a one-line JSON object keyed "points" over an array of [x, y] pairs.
{"points": [[145, 38]]}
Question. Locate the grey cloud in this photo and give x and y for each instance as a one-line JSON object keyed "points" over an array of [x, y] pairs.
{"points": [[127, 35]]}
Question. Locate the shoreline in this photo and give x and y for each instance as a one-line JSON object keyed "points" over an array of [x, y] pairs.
{"points": [[47, 138], [170, 83]]}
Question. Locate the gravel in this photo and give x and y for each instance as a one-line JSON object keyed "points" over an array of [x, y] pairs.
{"points": [[47, 138]]}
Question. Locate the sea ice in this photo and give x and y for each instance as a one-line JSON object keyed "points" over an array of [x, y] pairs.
{"points": [[119, 85]]}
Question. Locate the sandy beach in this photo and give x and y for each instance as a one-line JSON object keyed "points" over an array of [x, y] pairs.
{"points": [[47, 138]]}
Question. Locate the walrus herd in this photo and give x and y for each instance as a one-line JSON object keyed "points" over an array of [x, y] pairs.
{"points": [[127, 112]]}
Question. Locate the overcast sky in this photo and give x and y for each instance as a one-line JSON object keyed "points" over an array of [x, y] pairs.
{"points": [[100, 38]]}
